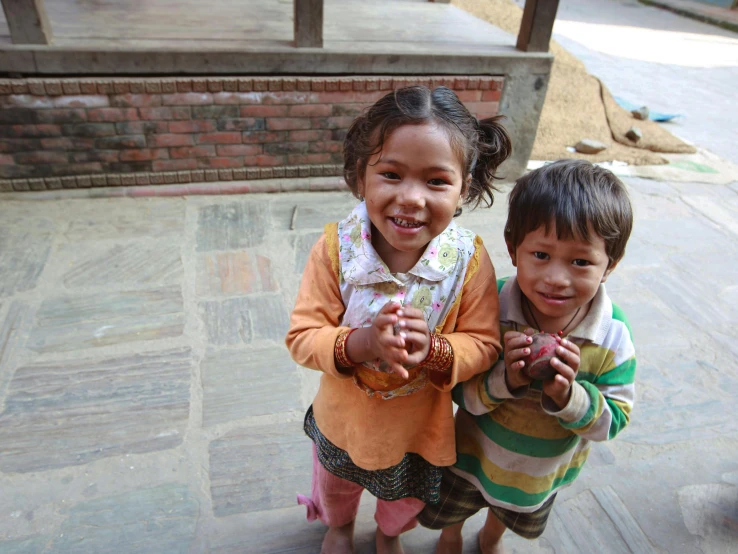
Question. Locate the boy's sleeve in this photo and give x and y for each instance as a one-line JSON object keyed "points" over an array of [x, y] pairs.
{"points": [[483, 393], [601, 402], [314, 323], [475, 338]]}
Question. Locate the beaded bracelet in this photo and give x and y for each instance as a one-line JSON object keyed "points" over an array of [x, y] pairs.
{"points": [[440, 356], [342, 359]]}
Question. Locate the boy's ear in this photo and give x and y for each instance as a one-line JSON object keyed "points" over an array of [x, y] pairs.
{"points": [[511, 251], [608, 271]]}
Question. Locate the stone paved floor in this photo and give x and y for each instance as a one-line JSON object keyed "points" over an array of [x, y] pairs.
{"points": [[148, 405]]}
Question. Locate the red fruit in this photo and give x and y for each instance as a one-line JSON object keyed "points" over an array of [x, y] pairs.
{"points": [[538, 362]]}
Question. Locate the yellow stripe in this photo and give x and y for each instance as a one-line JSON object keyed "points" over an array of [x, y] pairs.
{"points": [[524, 417], [471, 269], [331, 241], [522, 481], [597, 358]]}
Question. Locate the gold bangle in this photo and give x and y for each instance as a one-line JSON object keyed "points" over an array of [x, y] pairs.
{"points": [[440, 355], [342, 359]]}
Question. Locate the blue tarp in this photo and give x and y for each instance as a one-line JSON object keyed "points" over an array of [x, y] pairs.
{"points": [[652, 115]]}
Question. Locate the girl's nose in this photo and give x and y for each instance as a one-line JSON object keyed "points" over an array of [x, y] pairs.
{"points": [[410, 194]]}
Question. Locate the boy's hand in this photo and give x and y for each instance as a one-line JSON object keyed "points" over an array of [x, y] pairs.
{"points": [[566, 363], [516, 348], [414, 329]]}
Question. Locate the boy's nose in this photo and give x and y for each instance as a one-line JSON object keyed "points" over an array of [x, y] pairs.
{"points": [[557, 277]]}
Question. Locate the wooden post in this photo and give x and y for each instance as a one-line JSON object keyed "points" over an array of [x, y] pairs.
{"points": [[537, 25], [27, 21], [309, 23]]}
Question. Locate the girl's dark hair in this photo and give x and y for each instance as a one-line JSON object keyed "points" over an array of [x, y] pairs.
{"points": [[481, 145], [577, 198]]}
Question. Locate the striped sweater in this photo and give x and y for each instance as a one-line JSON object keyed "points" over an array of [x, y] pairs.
{"points": [[519, 449]]}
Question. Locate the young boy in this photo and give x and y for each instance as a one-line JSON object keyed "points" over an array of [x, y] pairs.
{"points": [[519, 440]]}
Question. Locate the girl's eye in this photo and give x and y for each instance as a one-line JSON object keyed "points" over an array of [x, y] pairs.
{"points": [[581, 263], [541, 255], [390, 175], [437, 182]]}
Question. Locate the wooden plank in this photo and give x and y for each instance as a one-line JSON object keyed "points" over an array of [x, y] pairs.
{"points": [[308, 23], [537, 25], [27, 21]]}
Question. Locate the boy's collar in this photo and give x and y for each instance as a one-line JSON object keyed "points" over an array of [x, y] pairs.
{"points": [[594, 327]]}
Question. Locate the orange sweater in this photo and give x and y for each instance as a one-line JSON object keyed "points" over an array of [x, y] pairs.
{"points": [[377, 433]]}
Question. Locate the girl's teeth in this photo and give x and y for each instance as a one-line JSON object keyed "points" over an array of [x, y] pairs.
{"points": [[403, 223]]}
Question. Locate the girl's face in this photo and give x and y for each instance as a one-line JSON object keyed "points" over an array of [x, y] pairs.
{"points": [[412, 189]]}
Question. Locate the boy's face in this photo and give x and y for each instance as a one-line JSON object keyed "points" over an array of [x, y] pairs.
{"points": [[559, 276]]}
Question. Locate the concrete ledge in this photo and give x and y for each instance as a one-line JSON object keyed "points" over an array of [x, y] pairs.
{"points": [[715, 15]]}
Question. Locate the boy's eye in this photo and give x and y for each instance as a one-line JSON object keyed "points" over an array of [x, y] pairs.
{"points": [[541, 255], [581, 263]]}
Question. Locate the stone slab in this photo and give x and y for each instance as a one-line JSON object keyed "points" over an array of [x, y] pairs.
{"points": [[126, 264], [77, 411], [158, 520], [234, 273], [23, 256], [231, 226], [259, 468], [239, 384], [711, 512], [244, 320], [302, 245], [30, 545], [78, 322]]}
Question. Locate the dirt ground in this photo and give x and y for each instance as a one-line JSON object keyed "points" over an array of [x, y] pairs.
{"points": [[578, 106]]}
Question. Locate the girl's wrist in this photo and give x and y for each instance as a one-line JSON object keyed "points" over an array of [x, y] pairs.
{"points": [[340, 354], [440, 356]]}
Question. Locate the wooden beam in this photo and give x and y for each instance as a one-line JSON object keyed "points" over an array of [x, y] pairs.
{"points": [[27, 21], [537, 25], [308, 23]]}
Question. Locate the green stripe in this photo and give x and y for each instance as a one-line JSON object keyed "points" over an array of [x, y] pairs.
{"points": [[524, 444], [594, 403], [619, 315], [624, 374], [619, 419], [457, 394], [501, 283], [514, 496]]}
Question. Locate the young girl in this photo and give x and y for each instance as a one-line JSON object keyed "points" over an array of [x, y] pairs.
{"points": [[397, 304]]}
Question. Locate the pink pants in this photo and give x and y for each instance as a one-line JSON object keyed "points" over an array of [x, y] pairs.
{"points": [[335, 502]]}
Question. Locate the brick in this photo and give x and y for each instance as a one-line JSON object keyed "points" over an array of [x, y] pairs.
{"points": [[238, 149], [168, 86], [153, 87], [233, 98], [491, 96], [105, 86], [261, 85], [28, 101], [304, 85], [183, 176], [318, 85], [199, 126], [199, 85], [20, 144], [385, 83], [469, 95], [76, 169], [165, 113], [202, 151], [473, 83], [239, 174], [112, 114], [215, 112], [19, 116], [174, 165], [352, 110], [157, 179], [144, 154], [69, 182], [135, 100], [300, 159], [105, 156], [170, 177], [114, 180], [121, 142], [67, 143], [460, 83], [359, 85], [121, 86], [245, 85], [286, 148], [167, 140], [61, 116], [220, 163], [310, 110], [345, 84], [84, 181], [141, 127], [243, 124], [287, 123], [53, 87], [483, 110], [333, 123], [215, 85], [86, 101], [36, 184], [230, 85], [187, 99], [288, 84], [211, 175], [6, 86], [278, 172], [20, 87], [142, 179], [130, 167], [198, 175], [7, 159], [127, 180], [219, 138], [184, 85], [21, 184], [371, 85], [53, 183], [137, 86], [266, 160], [253, 173], [291, 172], [264, 111], [325, 146], [254, 137], [266, 173], [309, 135], [99, 181], [71, 87], [275, 84], [225, 174], [31, 131], [36, 87]]}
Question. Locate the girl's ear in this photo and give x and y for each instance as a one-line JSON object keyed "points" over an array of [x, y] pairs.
{"points": [[361, 186], [511, 251]]}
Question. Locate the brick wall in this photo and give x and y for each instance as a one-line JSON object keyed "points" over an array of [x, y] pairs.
{"points": [[74, 133]]}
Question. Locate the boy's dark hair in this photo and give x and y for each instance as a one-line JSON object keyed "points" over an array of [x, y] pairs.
{"points": [[481, 145], [572, 195]]}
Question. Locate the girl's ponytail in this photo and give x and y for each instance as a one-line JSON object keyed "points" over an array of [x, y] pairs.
{"points": [[493, 148]]}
